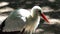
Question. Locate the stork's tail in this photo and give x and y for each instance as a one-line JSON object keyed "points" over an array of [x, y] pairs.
{"points": [[23, 31]]}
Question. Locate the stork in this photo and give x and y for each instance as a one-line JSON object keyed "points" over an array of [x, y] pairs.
{"points": [[24, 20]]}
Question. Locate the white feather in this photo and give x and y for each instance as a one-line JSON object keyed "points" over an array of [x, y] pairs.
{"points": [[24, 12], [23, 18]]}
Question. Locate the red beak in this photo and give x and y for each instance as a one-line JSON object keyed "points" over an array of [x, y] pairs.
{"points": [[44, 17]]}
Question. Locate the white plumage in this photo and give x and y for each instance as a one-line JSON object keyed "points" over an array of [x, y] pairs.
{"points": [[24, 12], [22, 18]]}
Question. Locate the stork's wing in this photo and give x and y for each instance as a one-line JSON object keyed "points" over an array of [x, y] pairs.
{"points": [[15, 22]]}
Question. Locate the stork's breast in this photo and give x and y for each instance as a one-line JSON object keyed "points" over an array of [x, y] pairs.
{"points": [[32, 25]]}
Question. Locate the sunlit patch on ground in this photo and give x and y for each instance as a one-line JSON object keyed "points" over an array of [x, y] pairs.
{"points": [[47, 9], [3, 4]]}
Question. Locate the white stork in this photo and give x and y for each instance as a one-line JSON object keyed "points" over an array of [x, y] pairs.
{"points": [[24, 20]]}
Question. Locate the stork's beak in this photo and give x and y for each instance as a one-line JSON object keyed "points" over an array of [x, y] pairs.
{"points": [[44, 17]]}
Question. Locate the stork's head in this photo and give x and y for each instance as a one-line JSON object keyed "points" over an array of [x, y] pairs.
{"points": [[39, 11]]}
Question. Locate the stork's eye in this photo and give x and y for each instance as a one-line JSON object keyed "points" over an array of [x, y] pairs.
{"points": [[39, 11]]}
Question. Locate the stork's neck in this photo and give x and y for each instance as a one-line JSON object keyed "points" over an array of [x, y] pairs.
{"points": [[34, 13]]}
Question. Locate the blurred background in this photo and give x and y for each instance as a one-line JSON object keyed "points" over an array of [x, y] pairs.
{"points": [[51, 9]]}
